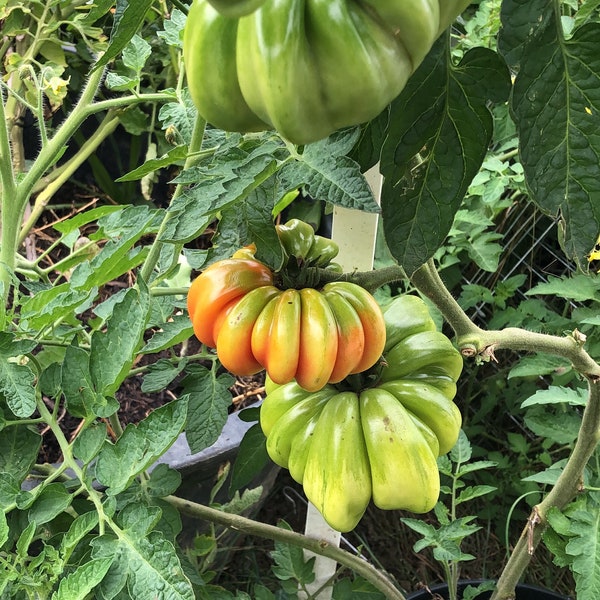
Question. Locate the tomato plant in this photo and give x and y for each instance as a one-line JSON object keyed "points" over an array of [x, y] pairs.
{"points": [[238, 117]]}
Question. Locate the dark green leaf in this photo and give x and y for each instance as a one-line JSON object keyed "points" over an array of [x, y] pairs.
{"points": [[251, 459], [290, 563], [77, 385], [88, 443], [160, 374], [128, 18], [250, 222], [173, 332], [113, 351], [163, 481], [332, 178], [225, 182], [439, 132], [52, 500], [77, 584], [19, 447], [173, 156], [556, 107], [209, 399]]}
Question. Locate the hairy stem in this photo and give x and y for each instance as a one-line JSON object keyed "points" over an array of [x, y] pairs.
{"points": [[248, 526]]}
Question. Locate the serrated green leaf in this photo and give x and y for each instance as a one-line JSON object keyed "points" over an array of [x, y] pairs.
{"points": [[547, 476], [557, 395], [173, 332], [475, 491], [10, 489], [173, 156], [76, 382], [88, 443], [148, 566], [49, 503], [79, 583], [250, 222], [25, 539], [540, 364], [241, 502], [290, 563], [180, 116], [425, 529], [578, 287], [51, 305], [584, 546], [209, 399], [545, 424], [127, 20], [556, 106], [112, 351], [442, 118], [252, 457], [163, 481], [462, 451], [160, 374], [475, 466], [140, 446], [17, 385], [19, 447], [79, 528], [3, 531], [330, 176], [226, 181]]}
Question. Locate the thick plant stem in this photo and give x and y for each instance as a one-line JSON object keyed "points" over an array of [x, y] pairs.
{"points": [[245, 525], [476, 342], [9, 225], [428, 281], [561, 494]]}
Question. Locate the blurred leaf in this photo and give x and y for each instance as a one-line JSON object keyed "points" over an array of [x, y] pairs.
{"points": [[557, 395], [127, 20]]}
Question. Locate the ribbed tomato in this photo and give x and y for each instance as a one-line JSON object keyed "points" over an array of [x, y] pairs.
{"points": [[312, 336]]}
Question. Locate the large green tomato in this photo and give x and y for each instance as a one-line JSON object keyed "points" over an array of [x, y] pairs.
{"points": [[379, 441], [306, 67]]}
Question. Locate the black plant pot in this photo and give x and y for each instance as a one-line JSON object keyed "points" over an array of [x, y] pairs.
{"points": [[523, 592]]}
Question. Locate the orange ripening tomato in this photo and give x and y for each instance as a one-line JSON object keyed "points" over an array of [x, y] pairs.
{"points": [[218, 286], [312, 336]]}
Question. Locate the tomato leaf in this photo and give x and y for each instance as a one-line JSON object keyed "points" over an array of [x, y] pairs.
{"points": [[209, 400], [251, 458], [128, 18], [438, 135], [556, 106]]}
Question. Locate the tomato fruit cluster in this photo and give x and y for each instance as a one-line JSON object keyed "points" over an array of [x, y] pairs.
{"points": [[380, 442]]}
